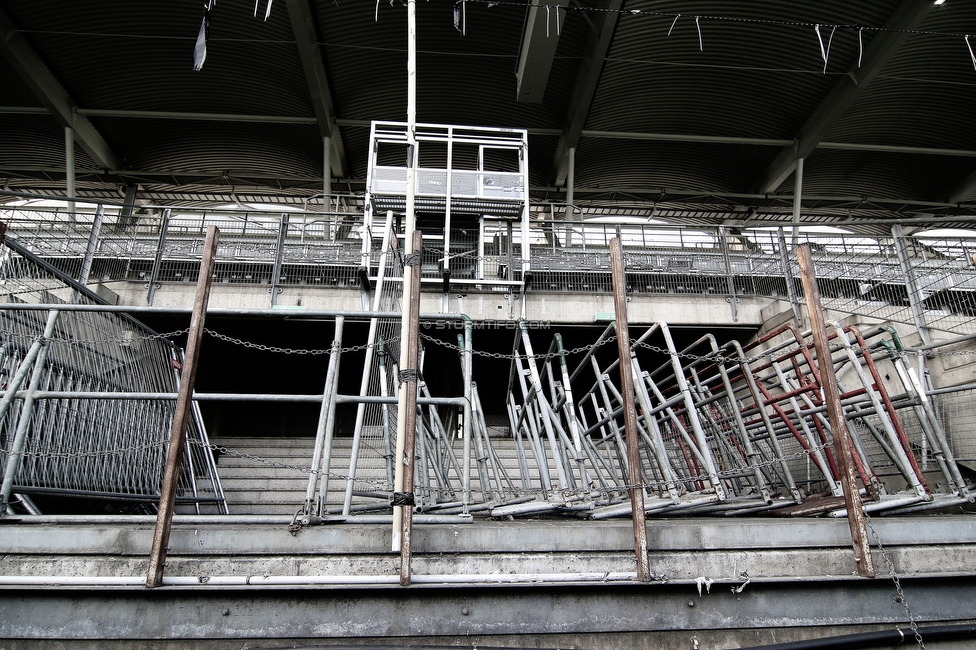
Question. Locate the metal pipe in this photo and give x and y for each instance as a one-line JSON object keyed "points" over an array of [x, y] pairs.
{"points": [[263, 580], [407, 405], [630, 411], [797, 199], [13, 385], [86, 262], [838, 426], [157, 262], [915, 296], [466, 429], [326, 172], [326, 421], [69, 168], [15, 451]]}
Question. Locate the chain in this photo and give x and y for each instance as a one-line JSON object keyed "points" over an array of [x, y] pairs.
{"points": [[278, 464], [502, 355], [894, 578], [114, 339], [92, 454], [298, 351]]}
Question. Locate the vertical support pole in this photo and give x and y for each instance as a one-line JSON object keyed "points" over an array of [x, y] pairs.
{"points": [[158, 261], [407, 408], [466, 425], [570, 189], [86, 262], [410, 223], [177, 434], [279, 257], [37, 356], [128, 207], [784, 261], [797, 199], [325, 425], [723, 238], [326, 172], [838, 424], [915, 297], [446, 264], [630, 411], [69, 168]]}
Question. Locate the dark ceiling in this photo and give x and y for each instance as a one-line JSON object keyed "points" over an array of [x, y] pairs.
{"points": [[684, 106]]}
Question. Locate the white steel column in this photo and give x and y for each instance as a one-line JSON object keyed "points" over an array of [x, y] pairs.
{"points": [[797, 198], [570, 187], [326, 172], [69, 166]]}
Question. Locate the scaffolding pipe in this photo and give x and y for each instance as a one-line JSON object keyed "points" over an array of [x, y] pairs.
{"points": [[15, 453], [174, 457], [852, 497], [630, 411]]}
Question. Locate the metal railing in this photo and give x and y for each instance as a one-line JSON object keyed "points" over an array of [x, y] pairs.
{"points": [[922, 280], [67, 429]]}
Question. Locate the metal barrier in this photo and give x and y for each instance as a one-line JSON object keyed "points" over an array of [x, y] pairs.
{"points": [[726, 429], [67, 427]]}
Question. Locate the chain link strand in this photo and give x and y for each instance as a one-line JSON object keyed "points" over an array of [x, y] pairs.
{"points": [[894, 578]]}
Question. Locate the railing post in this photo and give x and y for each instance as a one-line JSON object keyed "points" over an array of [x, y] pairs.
{"points": [[177, 435], [96, 227], [915, 297], [784, 262], [157, 262], [723, 238], [279, 256], [835, 411], [15, 454], [630, 411], [407, 407]]}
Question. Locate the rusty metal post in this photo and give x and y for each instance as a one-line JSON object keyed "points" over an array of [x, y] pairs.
{"points": [[630, 410], [408, 385], [838, 424], [177, 434]]}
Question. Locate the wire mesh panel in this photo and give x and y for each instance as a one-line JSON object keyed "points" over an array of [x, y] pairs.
{"points": [[87, 438]]}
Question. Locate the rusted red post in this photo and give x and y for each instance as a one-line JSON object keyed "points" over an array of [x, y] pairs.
{"points": [[838, 424], [409, 384], [177, 434], [630, 410]]}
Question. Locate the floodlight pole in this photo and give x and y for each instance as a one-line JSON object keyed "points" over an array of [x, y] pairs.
{"points": [[405, 330]]}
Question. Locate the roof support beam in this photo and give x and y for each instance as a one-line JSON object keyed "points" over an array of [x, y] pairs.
{"points": [[908, 16], [587, 79], [52, 94], [964, 190], [306, 37], [540, 37]]}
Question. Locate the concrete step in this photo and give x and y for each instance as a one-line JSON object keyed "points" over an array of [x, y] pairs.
{"points": [[254, 486]]}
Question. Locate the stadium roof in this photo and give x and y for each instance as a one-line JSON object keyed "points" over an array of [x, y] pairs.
{"points": [[696, 106]]}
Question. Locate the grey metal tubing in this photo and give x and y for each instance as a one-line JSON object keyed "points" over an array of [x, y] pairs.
{"points": [[326, 417], [261, 580], [25, 365], [467, 429], [760, 403], [15, 452]]}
